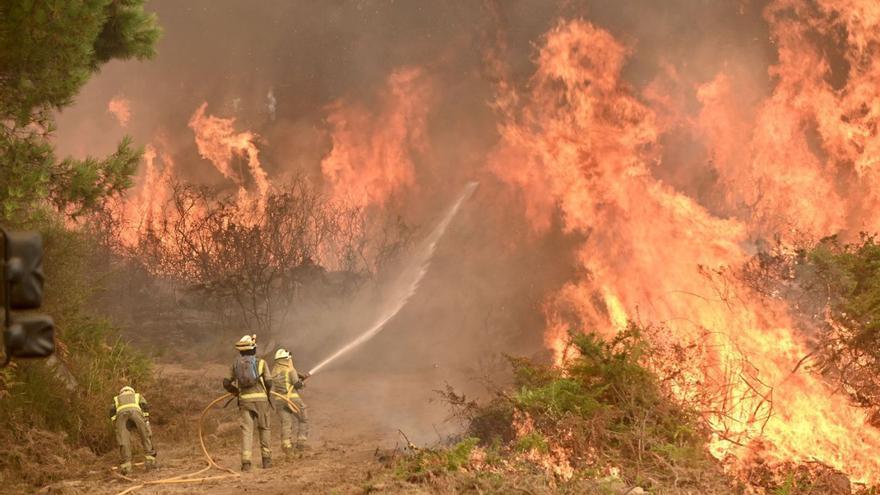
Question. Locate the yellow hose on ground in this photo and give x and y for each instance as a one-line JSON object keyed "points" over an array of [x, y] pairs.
{"points": [[188, 477]]}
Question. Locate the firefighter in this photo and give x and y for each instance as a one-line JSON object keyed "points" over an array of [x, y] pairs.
{"points": [[129, 412], [251, 382], [289, 382]]}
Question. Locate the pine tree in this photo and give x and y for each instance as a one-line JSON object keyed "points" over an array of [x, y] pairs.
{"points": [[48, 51]]}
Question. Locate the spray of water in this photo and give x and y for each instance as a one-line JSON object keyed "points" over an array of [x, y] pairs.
{"points": [[408, 281]]}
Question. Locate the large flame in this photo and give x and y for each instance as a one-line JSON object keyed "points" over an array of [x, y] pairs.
{"points": [[371, 156], [145, 206], [219, 143], [582, 145], [816, 135]]}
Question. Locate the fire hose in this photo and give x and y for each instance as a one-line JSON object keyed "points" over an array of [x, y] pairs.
{"points": [[195, 477], [413, 277]]}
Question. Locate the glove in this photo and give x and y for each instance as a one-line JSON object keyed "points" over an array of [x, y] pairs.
{"points": [[299, 385], [227, 384]]}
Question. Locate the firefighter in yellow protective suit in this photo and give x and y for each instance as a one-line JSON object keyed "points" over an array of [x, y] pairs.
{"points": [[251, 382], [130, 412], [288, 382]]}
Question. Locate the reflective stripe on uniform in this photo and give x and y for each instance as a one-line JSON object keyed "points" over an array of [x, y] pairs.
{"points": [[261, 365], [136, 405], [289, 389], [260, 369]]}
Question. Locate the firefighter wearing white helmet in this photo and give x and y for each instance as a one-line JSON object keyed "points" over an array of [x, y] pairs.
{"points": [[289, 382], [251, 382], [130, 412]]}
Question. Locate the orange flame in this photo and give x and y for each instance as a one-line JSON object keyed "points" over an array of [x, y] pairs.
{"points": [[145, 203], [218, 142], [808, 139], [371, 156], [582, 145], [120, 107]]}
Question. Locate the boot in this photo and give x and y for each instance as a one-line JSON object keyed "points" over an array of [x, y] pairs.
{"points": [[267, 462], [288, 449], [245, 466], [301, 446], [125, 469], [150, 463]]}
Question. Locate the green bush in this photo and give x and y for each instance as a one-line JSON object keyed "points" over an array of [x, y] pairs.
{"points": [[604, 407], [843, 283], [532, 441], [460, 453], [558, 398], [72, 392]]}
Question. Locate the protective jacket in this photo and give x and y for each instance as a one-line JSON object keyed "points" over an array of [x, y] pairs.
{"points": [[258, 392], [130, 401], [254, 412], [287, 381], [130, 412]]}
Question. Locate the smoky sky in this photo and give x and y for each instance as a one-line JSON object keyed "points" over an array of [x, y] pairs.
{"points": [[231, 53]]}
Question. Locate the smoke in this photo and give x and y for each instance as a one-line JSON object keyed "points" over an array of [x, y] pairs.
{"points": [[118, 106]]}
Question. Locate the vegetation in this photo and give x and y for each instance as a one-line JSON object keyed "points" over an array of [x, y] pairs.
{"points": [[833, 288], [258, 257], [48, 51], [604, 423], [598, 424], [846, 277]]}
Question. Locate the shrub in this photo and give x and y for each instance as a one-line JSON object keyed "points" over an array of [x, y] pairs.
{"points": [[70, 393], [603, 411]]}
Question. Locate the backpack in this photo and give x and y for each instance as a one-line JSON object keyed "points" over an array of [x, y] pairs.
{"points": [[245, 372]]}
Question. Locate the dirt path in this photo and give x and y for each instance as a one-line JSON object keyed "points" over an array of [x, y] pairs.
{"points": [[349, 439]]}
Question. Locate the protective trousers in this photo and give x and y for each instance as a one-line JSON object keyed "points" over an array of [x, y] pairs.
{"points": [[287, 419], [126, 422], [249, 414]]}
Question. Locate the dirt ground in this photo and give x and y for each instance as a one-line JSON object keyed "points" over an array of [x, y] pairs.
{"points": [[354, 420]]}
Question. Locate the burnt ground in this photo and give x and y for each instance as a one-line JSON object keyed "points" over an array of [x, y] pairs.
{"points": [[354, 420]]}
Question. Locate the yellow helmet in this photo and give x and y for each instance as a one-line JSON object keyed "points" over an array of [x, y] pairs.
{"points": [[246, 343], [126, 390], [281, 354]]}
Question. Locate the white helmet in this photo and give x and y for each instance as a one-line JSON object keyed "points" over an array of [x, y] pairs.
{"points": [[246, 343], [281, 354], [126, 389]]}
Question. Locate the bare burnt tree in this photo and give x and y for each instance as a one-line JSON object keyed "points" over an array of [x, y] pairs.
{"points": [[259, 255], [256, 256], [363, 244]]}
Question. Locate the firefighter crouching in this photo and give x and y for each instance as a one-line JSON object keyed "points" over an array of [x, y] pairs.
{"points": [[288, 382], [130, 412], [251, 382]]}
